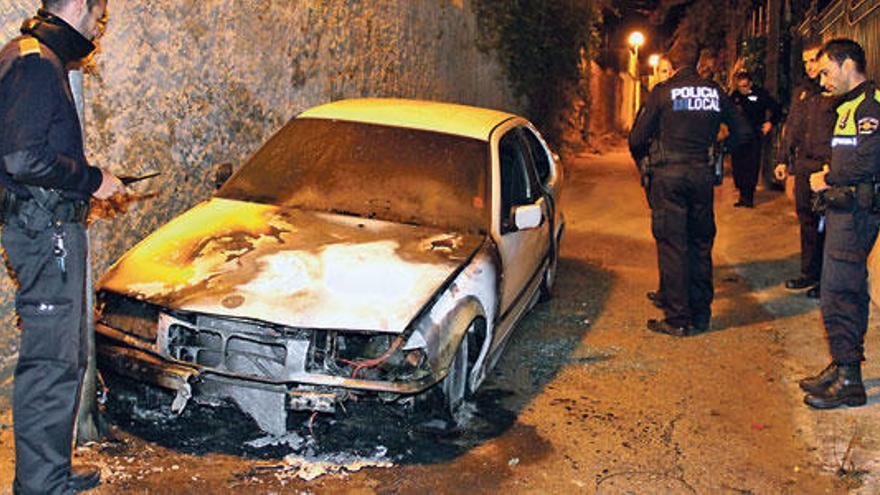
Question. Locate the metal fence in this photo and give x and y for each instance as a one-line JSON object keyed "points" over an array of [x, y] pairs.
{"points": [[858, 20]]}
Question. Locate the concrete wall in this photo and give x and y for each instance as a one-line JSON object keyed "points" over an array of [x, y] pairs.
{"points": [[181, 85]]}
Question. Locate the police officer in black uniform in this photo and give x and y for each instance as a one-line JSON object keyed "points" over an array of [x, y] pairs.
{"points": [[850, 186], [805, 148], [762, 112], [49, 183], [674, 131]]}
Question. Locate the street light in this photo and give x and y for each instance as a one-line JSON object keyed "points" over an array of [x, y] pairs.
{"points": [[636, 39], [654, 62]]}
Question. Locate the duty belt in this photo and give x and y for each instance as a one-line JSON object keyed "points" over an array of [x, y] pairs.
{"points": [[865, 195], [67, 211]]}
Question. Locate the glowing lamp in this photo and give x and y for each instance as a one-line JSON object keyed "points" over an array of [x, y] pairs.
{"points": [[636, 39]]}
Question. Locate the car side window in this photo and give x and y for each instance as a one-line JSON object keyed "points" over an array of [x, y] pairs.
{"points": [[539, 155], [515, 183]]}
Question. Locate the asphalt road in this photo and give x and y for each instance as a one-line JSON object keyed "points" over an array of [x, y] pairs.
{"points": [[586, 400]]}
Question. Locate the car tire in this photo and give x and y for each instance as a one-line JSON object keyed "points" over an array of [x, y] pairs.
{"points": [[455, 388], [549, 277]]}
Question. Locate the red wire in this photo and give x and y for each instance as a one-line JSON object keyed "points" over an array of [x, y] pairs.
{"points": [[312, 423], [372, 362]]}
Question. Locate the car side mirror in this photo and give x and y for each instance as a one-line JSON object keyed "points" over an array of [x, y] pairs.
{"points": [[528, 216], [222, 173]]}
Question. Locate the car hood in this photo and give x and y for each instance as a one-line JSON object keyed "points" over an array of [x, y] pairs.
{"points": [[291, 267]]}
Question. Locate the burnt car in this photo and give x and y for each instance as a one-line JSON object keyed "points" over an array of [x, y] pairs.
{"points": [[372, 247]]}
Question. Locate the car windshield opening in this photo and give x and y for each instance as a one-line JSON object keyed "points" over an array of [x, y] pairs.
{"points": [[372, 171]]}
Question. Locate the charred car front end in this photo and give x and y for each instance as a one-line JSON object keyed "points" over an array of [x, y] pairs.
{"points": [[360, 252], [265, 370]]}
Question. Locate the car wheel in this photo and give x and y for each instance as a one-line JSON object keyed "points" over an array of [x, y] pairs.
{"points": [[455, 385], [549, 277]]}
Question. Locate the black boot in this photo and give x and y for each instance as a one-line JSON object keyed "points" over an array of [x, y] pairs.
{"points": [[800, 283], [663, 326], [817, 383], [655, 297], [81, 480], [846, 389]]}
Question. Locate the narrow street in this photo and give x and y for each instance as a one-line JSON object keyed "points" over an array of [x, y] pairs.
{"points": [[585, 399]]}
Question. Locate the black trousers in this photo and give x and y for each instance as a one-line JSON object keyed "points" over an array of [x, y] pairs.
{"points": [[683, 224], [51, 354], [812, 241], [844, 297], [746, 163]]}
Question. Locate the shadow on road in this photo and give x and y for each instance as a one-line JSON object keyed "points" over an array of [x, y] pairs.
{"points": [[765, 274], [542, 344], [741, 284]]}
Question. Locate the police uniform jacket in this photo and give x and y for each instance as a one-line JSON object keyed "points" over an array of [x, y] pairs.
{"points": [[683, 115], [757, 107], [855, 145], [806, 138], [41, 141]]}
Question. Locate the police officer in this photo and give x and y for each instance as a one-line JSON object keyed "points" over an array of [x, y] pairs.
{"points": [[762, 112], [48, 186], [852, 223], [806, 146], [675, 129]]}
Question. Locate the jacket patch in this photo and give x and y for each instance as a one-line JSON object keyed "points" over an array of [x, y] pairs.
{"points": [[868, 125], [844, 141], [695, 99]]}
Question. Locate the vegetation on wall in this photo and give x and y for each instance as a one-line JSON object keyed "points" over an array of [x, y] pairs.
{"points": [[719, 37], [753, 54], [545, 47]]}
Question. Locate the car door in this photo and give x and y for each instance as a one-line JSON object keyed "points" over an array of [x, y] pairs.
{"points": [[546, 167], [548, 171], [523, 251]]}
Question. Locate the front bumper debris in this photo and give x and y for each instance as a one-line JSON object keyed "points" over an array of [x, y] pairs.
{"points": [[130, 356]]}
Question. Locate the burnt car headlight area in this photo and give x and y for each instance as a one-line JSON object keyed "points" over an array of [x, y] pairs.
{"points": [[265, 370]]}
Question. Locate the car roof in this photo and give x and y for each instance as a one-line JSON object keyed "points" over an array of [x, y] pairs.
{"points": [[448, 118]]}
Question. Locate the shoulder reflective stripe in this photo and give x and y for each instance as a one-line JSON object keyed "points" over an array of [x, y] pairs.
{"points": [[877, 95], [846, 124], [28, 46]]}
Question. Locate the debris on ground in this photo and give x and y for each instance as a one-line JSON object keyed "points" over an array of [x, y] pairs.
{"points": [[307, 469], [291, 439]]}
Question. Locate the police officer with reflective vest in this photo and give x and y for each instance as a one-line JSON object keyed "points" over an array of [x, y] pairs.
{"points": [[850, 186], [48, 184], [674, 132]]}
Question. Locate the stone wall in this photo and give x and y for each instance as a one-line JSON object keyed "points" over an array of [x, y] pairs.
{"points": [[605, 88], [181, 85]]}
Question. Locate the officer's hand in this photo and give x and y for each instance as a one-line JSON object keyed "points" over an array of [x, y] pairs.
{"points": [[110, 186], [766, 128], [781, 171], [817, 180], [107, 208], [115, 205]]}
